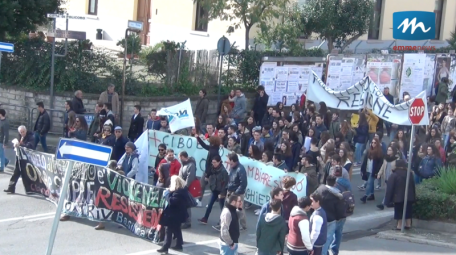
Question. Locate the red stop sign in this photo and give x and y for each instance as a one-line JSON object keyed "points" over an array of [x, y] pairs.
{"points": [[417, 111]]}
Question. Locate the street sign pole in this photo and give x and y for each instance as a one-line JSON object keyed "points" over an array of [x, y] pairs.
{"points": [[223, 47], [63, 194], [409, 169], [5, 47], [75, 151], [134, 26]]}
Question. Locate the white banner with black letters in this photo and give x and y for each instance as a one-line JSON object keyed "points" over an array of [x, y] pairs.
{"points": [[364, 93]]}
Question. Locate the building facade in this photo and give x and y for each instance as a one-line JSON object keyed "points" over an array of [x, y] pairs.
{"points": [[175, 20]]}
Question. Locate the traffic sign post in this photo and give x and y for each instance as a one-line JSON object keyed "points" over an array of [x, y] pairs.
{"points": [[223, 47], [75, 151], [5, 47], [417, 110]]}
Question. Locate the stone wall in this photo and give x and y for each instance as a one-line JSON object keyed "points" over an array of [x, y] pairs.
{"points": [[20, 106]]}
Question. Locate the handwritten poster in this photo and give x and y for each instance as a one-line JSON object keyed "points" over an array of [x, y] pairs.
{"points": [[261, 179], [344, 71]]}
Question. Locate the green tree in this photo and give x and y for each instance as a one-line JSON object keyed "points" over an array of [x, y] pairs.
{"points": [[243, 13], [21, 16], [339, 22], [285, 31]]}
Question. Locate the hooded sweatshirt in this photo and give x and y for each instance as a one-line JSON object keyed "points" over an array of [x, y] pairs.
{"points": [[188, 171], [299, 233], [270, 233]]}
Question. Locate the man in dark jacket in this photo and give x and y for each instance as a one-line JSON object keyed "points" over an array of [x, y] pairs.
{"points": [[78, 105], [201, 107], [26, 140], [136, 125], [244, 138], [260, 105], [42, 126], [238, 184], [118, 150], [333, 204], [188, 174]]}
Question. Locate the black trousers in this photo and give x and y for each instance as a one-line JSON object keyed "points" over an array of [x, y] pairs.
{"points": [[15, 176], [177, 231]]}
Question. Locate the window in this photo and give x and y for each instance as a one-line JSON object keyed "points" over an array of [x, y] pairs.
{"points": [[374, 30], [93, 7], [201, 18], [438, 17]]}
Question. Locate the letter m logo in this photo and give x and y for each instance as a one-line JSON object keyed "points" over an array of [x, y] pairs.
{"points": [[414, 25]]}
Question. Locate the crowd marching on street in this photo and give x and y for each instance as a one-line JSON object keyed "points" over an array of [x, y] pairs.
{"points": [[306, 138]]}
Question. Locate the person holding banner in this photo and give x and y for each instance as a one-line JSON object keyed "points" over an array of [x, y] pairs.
{"points": [[213, 149], [26, 140]]}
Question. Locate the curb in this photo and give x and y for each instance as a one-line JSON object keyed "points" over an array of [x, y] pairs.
{"points": [[388, 235], [435, 225]]}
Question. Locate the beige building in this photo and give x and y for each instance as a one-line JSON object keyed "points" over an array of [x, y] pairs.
{"points": [[181, 20], [176, 20]]}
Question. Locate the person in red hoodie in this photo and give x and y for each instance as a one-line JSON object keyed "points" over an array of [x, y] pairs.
{"points": [[175, 166]]}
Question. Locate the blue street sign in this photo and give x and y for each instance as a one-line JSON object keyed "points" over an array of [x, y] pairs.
{"points": [[84, 152], [6, 47]]}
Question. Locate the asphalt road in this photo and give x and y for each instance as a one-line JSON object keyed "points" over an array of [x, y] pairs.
{"points": [[25, 225]]}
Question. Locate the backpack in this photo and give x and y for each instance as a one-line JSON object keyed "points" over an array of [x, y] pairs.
{"points": [[349, 203]]}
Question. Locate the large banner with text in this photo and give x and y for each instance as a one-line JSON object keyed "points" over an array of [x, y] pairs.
{"points": [[364, 93], [260, 177], [95, 193]]}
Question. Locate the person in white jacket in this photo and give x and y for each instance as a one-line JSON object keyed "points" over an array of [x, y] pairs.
{"points": [[298, 241]]}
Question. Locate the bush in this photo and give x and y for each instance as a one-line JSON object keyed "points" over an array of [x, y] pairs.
{"points": [[432, 202]]}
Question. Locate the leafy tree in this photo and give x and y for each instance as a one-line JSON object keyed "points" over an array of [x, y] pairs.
{"points": [[285, 31], [21, 16], [339, 22], [243, 13]]}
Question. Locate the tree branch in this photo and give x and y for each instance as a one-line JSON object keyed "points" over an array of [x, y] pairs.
{"points": [[350, 41]]}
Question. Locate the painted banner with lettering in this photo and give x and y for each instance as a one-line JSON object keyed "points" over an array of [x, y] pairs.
{"points": [[364, 93], [95, 193], [260, 177], [179, 116]]}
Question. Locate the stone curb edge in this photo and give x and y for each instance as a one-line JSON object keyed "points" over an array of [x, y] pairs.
{"points": [[403, 237]]}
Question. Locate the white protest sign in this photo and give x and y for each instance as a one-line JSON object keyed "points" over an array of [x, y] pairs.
{"points": [[179, 116], [261, 179], [364, 93]]}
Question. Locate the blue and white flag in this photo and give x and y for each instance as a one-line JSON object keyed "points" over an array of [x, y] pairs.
{"points": [[179, 116]]}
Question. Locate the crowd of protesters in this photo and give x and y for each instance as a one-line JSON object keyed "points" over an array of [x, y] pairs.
{"points": [[304, 138]]}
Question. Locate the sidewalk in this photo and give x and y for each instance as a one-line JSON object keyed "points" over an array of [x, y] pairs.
{"points": [[421, 236]]}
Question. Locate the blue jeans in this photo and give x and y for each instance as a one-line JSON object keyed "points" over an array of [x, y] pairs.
{"points": [[211, 203], [42, 140], [2, 158], [226, 250], [393, 134], [370, 185], [418, 179], [329, 237], [359, 149], [445, 140], [335, 246]]}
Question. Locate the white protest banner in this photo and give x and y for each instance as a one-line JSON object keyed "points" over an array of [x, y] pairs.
{"points": [[179, 116], [261, 179], [364, 93]]}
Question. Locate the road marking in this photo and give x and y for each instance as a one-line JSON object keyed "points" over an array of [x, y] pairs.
{"points": [[27, 217], [43, 218], [372, 216], [175, 252]]}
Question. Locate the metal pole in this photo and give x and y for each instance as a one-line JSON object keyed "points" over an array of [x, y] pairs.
{"points": [[123, 78], [409, 168], [179, 61], [63, 194], [220, 78], [1, 54], [51, 103]]}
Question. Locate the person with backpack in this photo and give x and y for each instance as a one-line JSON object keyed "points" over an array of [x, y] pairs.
{"points": [[333, 204]]}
